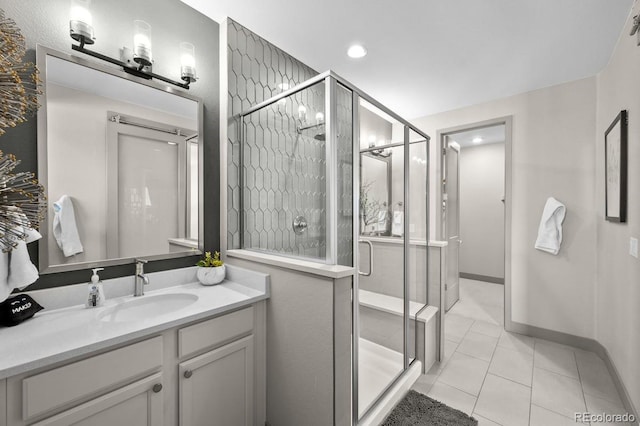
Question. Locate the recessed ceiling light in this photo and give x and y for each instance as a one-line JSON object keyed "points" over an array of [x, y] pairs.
{"points": [[476, 140], [357, 51]]}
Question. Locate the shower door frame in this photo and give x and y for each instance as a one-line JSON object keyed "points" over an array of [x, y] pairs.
{"points": [[331, 81]]}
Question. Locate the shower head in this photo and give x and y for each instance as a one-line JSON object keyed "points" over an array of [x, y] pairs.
{"points": [[320, 136]]}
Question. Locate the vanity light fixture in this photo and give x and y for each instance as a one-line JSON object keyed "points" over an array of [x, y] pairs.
{"points": [[303, 125], [81, 30], [357, 51]]}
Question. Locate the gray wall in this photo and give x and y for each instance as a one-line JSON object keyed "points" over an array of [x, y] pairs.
{"points": [[618, 290], [481, 210], [46, 22]]}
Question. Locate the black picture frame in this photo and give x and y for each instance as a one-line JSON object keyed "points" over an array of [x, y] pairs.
{"points": [[615, 171]]}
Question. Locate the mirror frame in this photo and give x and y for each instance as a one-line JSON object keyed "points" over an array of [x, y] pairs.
{"points": [[43, 255]]}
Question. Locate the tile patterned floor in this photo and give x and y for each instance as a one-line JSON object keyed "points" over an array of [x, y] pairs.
{"points": [[508, 379]]}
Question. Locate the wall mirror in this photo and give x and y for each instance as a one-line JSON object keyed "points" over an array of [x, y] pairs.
{"points": [[121, 163], [375, 192]]}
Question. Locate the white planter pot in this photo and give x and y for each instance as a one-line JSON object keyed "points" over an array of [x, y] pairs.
{"points": [[211, 276]]}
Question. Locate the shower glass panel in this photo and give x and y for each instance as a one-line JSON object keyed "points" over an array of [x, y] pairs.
{"points": [[344, 178], [284, 170], [418, 240], [327, 174], [381, 351]]}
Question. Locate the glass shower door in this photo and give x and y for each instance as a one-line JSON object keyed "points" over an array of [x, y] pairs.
{"points": [[382, 339]]}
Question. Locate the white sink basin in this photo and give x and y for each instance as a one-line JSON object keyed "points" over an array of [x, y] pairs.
{"points": [[143, 307]]}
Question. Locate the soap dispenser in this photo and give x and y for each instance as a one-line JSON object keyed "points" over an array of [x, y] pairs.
{"points": [[95, 296]]}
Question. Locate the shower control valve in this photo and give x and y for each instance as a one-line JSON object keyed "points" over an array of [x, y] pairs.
{"points": [[299, 225]]}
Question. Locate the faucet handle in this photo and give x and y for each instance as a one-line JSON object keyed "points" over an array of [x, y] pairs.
{"points": [[140, 266]]}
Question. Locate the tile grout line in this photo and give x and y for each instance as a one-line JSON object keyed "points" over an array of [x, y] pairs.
{"points": [[506, 378], [533, 366], [559, 374], [584, 398], [459, 390], [485, 378], [560, 414]]}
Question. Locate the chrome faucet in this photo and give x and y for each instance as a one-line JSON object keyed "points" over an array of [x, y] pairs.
{"points": [[141, 278]]}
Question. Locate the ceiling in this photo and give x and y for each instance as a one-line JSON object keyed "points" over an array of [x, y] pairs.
{"points": [[428, 56], [493, 134]]}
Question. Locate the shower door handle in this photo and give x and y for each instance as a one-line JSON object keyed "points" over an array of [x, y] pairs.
{"points": [[370, 244]]}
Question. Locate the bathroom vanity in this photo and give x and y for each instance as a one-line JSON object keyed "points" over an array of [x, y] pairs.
{"points": [[186, 354]]}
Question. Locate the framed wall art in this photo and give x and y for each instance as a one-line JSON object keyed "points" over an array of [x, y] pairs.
{"points": [[615, 154]]}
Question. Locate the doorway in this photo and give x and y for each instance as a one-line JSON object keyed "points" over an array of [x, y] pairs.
{"points": [[476, 225]]}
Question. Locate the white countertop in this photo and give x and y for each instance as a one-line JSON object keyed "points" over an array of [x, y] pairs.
{"points": [[58, 335]]}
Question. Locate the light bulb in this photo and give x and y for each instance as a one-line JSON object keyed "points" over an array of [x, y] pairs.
{"points": [[357, 51], [81, 21], [142, 42], [319, 118], [302, 113], [188, 62]]}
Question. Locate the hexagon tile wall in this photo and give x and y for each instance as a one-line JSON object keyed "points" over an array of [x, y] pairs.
{"points": [[284, 170]]}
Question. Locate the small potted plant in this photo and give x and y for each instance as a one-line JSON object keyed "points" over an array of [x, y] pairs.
{"points": [[211, 269]]}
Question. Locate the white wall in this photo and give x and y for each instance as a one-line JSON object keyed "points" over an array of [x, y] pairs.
{"points": [[553, 154], [482, 210], [618, 282]]}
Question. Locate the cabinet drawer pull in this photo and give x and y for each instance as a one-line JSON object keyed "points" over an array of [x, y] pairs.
{"points": [[157, 387], [188, 374]]}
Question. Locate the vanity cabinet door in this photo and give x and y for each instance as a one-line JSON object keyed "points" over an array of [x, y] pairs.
{"points": [[217, 388], [138, 404]]}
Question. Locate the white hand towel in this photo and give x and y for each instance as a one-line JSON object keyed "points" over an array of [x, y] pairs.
{"points": [[5, 290], [16, 269], [65, 230], [32, 235], [550, 230], [397, 226], [21, 271]]}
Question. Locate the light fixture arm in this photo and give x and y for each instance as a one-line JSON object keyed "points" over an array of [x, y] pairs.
{"points": [[138, 72]]}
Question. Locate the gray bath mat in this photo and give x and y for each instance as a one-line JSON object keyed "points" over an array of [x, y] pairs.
{"points": [[417, 409]]}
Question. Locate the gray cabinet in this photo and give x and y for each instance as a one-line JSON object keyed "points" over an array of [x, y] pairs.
{"points": [[220, 363], [217, 388], [89, 389], [138, 404]]}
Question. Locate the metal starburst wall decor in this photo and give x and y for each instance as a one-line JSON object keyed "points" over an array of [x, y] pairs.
{"points": [[22, 203], [22, 200], [18, 81]]}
